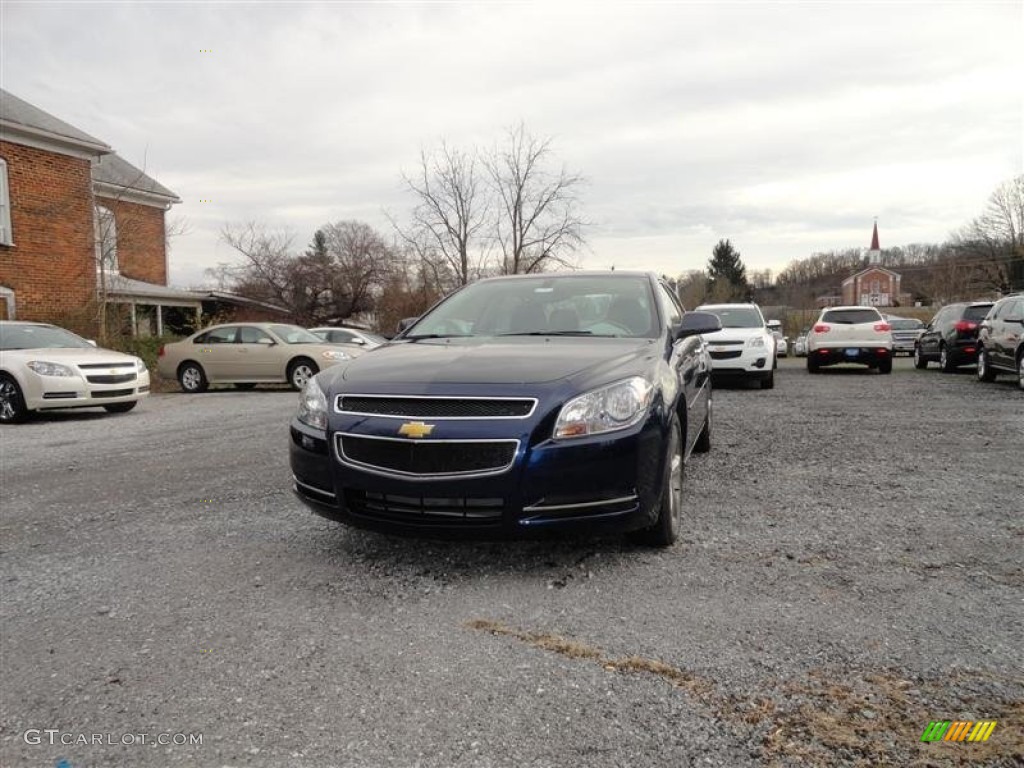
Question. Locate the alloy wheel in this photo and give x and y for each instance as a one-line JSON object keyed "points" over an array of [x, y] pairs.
{"points": [[676, 488], [301, 374], [191, 379], [1020, 371], [8, 400]]}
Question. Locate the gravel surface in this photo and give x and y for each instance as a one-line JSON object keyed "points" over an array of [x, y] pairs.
{"points": [[852, 569]]}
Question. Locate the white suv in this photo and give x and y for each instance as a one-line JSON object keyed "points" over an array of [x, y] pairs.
{"points": [[744, 346], [850, 335]]}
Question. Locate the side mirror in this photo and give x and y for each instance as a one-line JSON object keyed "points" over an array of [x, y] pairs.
{"points": [[405, 322], [698, 323], [91, 341]]}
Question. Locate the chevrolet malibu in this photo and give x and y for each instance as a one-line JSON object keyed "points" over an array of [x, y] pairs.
{"points": [[43, 367], [247, 354], [515, 406]]}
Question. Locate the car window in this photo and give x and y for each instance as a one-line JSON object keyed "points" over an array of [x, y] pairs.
{"points": [[905, 323], [293, 334], [736, 317], [249, 335], [670, 305], [977, 312], [217, 336], [39, 337], [343, 336], [851, 316]]}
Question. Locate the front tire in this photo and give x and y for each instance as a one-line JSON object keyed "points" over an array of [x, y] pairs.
{"points": [[300, 371], [1020, 370], [920, 361], [670, 508], [12, 403], [985, 372], [768, 382], [192, 378], [120, 407]]}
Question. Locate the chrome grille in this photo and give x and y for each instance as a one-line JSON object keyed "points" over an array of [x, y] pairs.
{"points": [[426, 458], [428, 407]]}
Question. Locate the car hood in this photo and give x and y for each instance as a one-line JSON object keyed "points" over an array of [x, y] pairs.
{"points": [[416, 366], [67, 356], [736, 333]]}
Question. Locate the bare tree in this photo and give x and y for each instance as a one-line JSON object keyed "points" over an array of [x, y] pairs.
{"points": [[361, 261], [266, 272], [992, 245], [536, 223], [449, 221]]}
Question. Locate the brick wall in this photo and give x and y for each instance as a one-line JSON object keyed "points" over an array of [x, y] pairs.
{"points": [[141, 249], [51, 267]]}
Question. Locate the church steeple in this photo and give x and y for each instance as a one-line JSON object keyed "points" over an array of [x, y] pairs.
{"points": [[875, 253]]}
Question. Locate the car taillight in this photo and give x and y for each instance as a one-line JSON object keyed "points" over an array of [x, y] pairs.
{"points": [[822, 328], [161, 352], [883, 327], [965, 325]]}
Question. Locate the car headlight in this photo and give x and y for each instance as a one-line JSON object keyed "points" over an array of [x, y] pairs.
{"points": [[756, 342], [616, 406], [313, 405], [140, 365], [50, 369], [335, 354]]}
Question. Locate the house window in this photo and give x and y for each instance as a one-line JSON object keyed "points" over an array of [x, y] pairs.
{"points": [[6, 237], [876, 286], [106, 240]]}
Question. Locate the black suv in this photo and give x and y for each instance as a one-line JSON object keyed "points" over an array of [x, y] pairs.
{"points": [[1001, 340], [951, 337]]}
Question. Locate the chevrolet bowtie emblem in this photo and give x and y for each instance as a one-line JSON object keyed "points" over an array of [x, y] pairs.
{"points": [[415, 429]]}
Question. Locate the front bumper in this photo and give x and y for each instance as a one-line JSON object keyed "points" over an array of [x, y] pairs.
{"points": [[43, 393], [591, 485], [736, 359]]}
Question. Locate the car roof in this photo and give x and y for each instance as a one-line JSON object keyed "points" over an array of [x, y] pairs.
{"points": [[849, 306], [27, 322], [579, 273], [728, 306]]}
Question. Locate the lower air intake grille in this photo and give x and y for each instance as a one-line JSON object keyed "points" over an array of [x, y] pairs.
{"points": [[424, 510]]}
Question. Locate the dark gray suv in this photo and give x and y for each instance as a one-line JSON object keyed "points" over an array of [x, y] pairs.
{"points": [[1001, 340]]}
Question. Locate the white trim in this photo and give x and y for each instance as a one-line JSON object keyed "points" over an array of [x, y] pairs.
{"points": [[6, 235], [117, 192], [7, 296], [16, 133]]}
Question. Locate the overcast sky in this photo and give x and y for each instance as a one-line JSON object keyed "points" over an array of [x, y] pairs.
{"points": [[785, 127]]}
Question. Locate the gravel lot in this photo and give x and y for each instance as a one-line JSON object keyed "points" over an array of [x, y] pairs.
{"points": [[852, 569]]}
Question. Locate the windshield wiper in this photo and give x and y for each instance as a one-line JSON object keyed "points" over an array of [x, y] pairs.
{"points": [[552, 333], [437, 336]]}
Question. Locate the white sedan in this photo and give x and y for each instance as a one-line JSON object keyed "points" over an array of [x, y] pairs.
{"points": [[43, 367]]}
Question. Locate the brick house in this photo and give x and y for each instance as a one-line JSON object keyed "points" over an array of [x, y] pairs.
{"points": [[874, 286], [67, 204]]}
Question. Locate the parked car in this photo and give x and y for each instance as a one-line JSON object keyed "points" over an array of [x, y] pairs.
{"points": [[247, 354], [1001, 340], [905, 333], [44, 367], [800, 343], [850, 335], [517, 405], [744, 347], [951, 337], [337, 335]]}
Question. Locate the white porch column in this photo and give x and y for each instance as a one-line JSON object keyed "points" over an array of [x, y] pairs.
{"points": [[135, 325], [159, 320]]}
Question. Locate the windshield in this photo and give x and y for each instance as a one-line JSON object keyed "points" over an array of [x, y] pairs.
{"points": [[293, 334], [736, 317], [604, 305], [40, 337]]}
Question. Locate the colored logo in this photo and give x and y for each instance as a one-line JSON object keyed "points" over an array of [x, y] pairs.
{"points": [[415, 429], [958, 730]]}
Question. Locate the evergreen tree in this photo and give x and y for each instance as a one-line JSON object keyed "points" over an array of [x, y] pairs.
{"points": [[727, 274]]}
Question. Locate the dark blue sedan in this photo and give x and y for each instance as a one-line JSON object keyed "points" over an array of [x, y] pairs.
{"points": [[516, 405]]}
